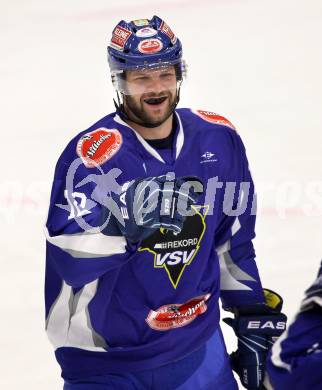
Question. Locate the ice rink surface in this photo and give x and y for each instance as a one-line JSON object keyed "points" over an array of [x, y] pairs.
{"points": [[259, 63]]}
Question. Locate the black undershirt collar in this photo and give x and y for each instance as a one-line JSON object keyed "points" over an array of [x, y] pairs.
{"points": [[164, 143]]}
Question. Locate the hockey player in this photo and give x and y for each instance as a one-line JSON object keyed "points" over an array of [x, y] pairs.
{"points": [[295, 360], [146, 231]]}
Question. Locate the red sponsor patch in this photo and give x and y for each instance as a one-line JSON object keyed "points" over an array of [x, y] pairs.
{"points": [[150, 46], [119, 37], [214, 118], [167, 30], [98, 146], [178, 314]]}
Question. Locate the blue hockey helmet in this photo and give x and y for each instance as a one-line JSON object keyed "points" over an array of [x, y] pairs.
{"points": [[143, 44]]}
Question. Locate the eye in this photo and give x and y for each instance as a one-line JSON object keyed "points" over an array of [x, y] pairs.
{"points": [[142, 78]]}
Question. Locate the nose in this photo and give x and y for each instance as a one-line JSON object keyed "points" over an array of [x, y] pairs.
{"points": [[156, 85]]}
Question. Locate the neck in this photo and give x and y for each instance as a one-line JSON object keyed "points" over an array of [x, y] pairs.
{"points": [[158, 132]]}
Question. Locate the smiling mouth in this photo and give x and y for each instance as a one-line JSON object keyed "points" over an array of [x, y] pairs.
{"points": [[155, 101]]}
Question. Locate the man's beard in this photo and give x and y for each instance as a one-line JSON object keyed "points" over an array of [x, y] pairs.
{"points": [[137, 113]]}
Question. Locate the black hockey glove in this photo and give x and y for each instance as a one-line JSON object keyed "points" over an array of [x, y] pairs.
{"points": [[156, 202], [313, 295], [257, 327]]}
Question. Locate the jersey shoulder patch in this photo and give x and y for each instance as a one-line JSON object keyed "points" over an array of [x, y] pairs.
{"points": [[212, 117], [98, 146]]}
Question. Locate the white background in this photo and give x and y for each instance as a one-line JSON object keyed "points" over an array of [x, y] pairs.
{"points": [[258, 63]]}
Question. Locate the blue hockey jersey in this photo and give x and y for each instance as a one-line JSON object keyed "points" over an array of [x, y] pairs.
{"points": [[112, 306], [295, 361]]}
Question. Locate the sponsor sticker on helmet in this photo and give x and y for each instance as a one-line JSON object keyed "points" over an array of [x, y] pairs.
{"points": [[141, 22], [146, 32], [178, 314], [98, 146], [167, 30], [119, 37], [214, 118], [150, 46]]}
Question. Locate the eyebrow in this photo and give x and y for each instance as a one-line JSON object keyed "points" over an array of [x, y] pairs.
{"points": [[141, 73]]}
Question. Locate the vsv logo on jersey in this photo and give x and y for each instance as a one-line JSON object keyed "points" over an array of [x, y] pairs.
{"points": [[179, 256], [174, 252], [174, 258]]}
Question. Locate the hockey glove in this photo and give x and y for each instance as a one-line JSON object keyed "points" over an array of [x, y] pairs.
{"points": [[156, 202], [257, 327], [313, 295]]}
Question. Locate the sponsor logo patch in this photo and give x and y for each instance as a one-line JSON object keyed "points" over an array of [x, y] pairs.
{"points": [[167, 31], [120, 37], [214, 118], [150, 46], [178, 314], [141, 22], [208, 157], [146, 32], [98, 146], [175, 252]]}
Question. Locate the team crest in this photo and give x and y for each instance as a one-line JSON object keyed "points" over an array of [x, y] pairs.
{"points": [[175, 252]]}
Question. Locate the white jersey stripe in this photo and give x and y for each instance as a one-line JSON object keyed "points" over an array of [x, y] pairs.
{"points": [[91, 244]]}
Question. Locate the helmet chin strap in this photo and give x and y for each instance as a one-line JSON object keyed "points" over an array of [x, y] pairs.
{"points": [[119, 105]]}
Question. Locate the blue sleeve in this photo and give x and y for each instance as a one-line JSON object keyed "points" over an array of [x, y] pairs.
{"points": [[295, 360], [239, 280], [82, 243], [296, 357]]}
